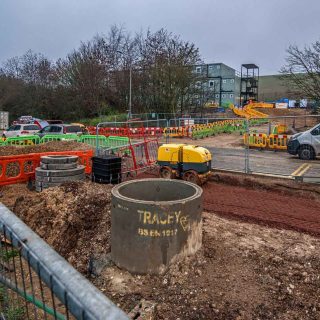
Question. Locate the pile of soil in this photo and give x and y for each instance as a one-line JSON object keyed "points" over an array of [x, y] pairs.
{"points": [[243, 271], [74, 219], [45, 147]]}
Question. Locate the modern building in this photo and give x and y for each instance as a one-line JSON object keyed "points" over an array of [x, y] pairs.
{"points": [[216, 83]]}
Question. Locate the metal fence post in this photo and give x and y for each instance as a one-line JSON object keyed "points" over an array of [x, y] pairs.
{"points": [[32, 258], [97, 139], [247, 150]]}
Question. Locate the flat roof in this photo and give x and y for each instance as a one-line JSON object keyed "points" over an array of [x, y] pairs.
{"points": [[250, 66]]}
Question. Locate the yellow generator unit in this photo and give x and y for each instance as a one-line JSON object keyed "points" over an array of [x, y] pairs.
{"points": [[191, 163]]}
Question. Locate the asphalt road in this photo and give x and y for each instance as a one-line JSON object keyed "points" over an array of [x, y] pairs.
{"points": [[265, 162]]}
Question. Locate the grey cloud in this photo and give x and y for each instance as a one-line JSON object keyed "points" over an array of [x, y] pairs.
{"points": [[229, 31]]}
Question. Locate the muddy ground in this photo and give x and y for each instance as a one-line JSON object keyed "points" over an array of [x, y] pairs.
{"points": [[243, 271], [260, 257]]}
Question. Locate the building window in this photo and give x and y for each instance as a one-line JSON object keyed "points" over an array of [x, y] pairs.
{"points": [[232, 80], [210, 67], [231, 95], [211, 83], [198, 69], [224, 81], [223, 96], [218, 66], [217, 96]]}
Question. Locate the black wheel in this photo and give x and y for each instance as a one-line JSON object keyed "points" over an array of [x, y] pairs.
{"points": [[166, 173], [191, 176], [306, 153]]}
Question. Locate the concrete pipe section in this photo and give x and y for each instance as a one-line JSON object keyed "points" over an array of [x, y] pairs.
{"points": [[154, 222]]}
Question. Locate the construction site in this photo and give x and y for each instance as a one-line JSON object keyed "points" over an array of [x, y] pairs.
{"points": [[187, 218]]}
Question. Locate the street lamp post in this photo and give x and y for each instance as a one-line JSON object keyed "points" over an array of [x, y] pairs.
{"points": [[130, 90], [130, 94]]}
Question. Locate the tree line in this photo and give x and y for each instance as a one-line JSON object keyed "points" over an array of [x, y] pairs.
{"points": [[94, 79]]}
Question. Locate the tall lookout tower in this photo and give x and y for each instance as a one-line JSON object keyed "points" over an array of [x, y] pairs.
{"points": [[249, 83]]}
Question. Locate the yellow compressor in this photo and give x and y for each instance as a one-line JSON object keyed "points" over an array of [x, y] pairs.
{"points": [[189, 162]]}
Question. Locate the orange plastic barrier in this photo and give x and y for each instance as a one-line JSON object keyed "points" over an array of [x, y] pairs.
{"points": [[278, 141], [257, 140], [21, 168], [140, 132]]}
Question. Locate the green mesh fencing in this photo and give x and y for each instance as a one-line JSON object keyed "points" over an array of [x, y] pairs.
{"points": [[114, 141], [22, 141], [92, 140], [59, 137]]}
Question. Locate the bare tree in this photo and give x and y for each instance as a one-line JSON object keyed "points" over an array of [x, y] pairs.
{"points": [[94, 78], [166, 62], [302, 70]]}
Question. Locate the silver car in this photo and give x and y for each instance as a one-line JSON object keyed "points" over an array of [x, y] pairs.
{"points": [[60, 129]]}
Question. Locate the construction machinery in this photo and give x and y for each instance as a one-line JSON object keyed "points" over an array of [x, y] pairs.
{"points": [[188, 162]]}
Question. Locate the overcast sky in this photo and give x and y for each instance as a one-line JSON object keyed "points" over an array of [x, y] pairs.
{"points": [[228, 31]]}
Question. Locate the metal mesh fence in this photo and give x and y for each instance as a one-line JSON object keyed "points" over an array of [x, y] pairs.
{"points": [[36, 283], [286, 146], [281, 146], [291, 148]]}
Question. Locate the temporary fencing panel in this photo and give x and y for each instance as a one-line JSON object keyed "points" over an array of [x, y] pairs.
{"points": [[139, 132], [114, 142], [93, 140], [136, 157], [257, 140], [213, 128], [22, 141], [21, 168], [279, 129], [59, 137], [173, 132], [37, 283], [278, 141]]}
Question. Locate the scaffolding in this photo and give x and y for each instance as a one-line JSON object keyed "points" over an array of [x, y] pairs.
{"points": [[249, 83]]}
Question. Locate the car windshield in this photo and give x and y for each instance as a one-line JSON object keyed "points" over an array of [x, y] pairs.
{"points": [[73, 129], [14, 128]]}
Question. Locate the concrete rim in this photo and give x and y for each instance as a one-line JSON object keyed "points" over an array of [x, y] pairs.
{"points": [[116, 192]]}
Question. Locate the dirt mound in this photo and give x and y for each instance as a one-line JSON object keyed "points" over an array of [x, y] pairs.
{"points": [[243, 271], [74, 219], [46, 147]]}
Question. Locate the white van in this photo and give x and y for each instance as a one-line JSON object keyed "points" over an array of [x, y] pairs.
{"points": [[305, 144]]}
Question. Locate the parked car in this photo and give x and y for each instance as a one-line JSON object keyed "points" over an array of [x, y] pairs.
{"points": [[18, 130], [82, 126], [60, 129], [305, 144], [54, 121]]}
